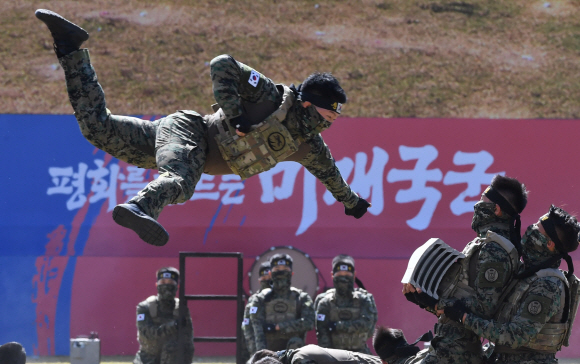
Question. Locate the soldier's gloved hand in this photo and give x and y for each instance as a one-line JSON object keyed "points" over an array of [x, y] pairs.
{"points": [[410, 296], [425, 300], [332, 325], [456, 311], [269, 327], [359, 210], [241, 124]]}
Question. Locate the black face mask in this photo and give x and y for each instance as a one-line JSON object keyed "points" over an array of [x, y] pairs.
{"points": [[344, 285], [535, 247], [166, 292], [484, 215], [281, 280]]}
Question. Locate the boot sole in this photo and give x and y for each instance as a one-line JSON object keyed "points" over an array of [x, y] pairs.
{"points": [[148, 230], [47, 16]]}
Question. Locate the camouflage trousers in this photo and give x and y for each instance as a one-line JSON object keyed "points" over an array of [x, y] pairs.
{"points": [[175, 145], [168, 355]]}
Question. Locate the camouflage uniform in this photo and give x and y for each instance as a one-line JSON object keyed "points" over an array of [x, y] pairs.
{"points": [[247, 330], [313, 354], [157, 333], [493, 268], [182, 145], [542, 301], [355, 319], [292, 311]]}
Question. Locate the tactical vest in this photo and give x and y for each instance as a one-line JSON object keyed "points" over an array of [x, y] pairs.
{"points": [[554, 333], [280, 310], [460, 278], [268, 143], [153, 346], [347, 341]]}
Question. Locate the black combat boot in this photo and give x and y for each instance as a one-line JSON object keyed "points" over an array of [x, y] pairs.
{"points": [[131, 216], [67, 36]]}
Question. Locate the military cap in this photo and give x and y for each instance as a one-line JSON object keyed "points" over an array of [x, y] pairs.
{"points": [[343, 263], [168, 272], [281, 259], [264, 269]]}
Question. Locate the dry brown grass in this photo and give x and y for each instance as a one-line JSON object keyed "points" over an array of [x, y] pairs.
{"points": [[399, 58]]}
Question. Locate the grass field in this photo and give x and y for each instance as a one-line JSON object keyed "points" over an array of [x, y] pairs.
{"points": [[395, 58]]}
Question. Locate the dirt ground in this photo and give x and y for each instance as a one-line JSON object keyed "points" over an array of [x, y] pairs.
{"points": [[398, 58]]}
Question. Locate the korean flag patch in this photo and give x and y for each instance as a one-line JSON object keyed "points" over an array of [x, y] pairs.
{"points": [[344, 267], [339, 108], [141, 317], [254, 78], [320, 317], [246, 322], [254, 309], [166, 275]]}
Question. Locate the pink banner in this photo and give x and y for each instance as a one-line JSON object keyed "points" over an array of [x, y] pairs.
{"points": [[422, 177]]}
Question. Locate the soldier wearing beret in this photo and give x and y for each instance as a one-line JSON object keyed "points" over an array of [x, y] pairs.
{"points": [[158, 322]]}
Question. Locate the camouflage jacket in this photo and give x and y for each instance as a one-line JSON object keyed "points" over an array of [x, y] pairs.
{"points": [[362, 326], [313, 354], [303, 322], [237, 96], [528, 320], [153, 331]]}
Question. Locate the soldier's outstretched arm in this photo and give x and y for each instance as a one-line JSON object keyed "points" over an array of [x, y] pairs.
{"points": [[321, 164], [306, 320], [528, 320], [322, 320]]}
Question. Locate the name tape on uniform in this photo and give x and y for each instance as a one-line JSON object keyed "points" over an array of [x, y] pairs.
{"points": [[320, 317], [254, 309], [254, 78], [141, 317]]}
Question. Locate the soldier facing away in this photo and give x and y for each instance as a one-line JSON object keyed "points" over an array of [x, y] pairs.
{"points": [[479, 279], [345, 317], [280, 316], [158, 324], [257, 125], [536, 318]]}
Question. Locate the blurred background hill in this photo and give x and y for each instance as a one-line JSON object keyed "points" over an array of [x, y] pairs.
{"points": [[395, 58]]}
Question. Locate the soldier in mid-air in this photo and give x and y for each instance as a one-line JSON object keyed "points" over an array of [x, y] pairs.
{"points": [[345, 317], [280, 316], [256, 125], [159, 323]]}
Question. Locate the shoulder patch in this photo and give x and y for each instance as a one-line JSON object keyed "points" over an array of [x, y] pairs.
{"points": [[536, 308], [492, 274], [253, 310], [141, 317], [320, 317], [246, 322], [254, 78]]}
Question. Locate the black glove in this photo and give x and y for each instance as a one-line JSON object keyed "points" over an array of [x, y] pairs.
{"points": [[456, 311], [241, 123], [269, 327], [425, 300], [332, 325], [410, 296], [359, 210]]}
